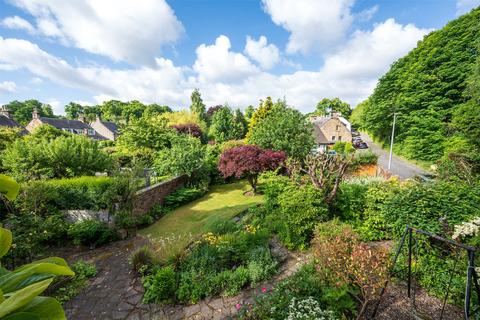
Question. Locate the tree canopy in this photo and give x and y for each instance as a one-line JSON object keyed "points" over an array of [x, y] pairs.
{"points": [[249, 161], [227, 124], [326, 106], [433, 88], [22, 111], [283, 129], [197, 106]]}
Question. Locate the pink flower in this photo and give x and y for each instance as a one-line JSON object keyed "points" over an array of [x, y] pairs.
{"points": [[264, 289], [238, 306]]}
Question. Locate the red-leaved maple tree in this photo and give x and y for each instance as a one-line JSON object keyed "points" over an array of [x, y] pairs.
{"points": [[248, 162]]}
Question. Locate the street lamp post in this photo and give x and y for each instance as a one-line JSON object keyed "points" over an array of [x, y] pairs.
{"points": [[391, 141]]}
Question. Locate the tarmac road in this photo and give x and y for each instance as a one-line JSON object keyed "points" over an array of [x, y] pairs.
{"points": [[399, 167]]}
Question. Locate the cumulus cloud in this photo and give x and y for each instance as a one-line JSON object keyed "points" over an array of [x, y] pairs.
{"points": [[18, 23], [368, 54], [120, 30], [267, 55], [8, 87], [222, 75], [464, 6], [217, 62], [313, 24]]}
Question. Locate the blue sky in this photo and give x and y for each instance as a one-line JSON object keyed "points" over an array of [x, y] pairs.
{"points": [[235, 51]]}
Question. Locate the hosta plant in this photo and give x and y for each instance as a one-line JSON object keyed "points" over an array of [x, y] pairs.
{"points": [[20, 289]]}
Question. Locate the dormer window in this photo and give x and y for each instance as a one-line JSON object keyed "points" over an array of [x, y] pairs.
{"points": [[91, 132], [78, 131]]}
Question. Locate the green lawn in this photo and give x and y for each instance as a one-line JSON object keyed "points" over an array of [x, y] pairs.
{"points": [[172, 233]]}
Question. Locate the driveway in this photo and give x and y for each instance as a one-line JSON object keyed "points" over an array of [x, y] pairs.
{"points": [[400, 167]]}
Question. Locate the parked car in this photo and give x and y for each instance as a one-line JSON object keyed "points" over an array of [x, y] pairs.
{"points": [[361, 145], [355, 139], [355, 133]]}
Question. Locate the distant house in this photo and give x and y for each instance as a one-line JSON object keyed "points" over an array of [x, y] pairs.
{"points": [[73, 126], [6, 119], [106, 128], [329, 130]]}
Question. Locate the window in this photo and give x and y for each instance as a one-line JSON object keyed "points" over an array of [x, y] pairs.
{"points": [[339, 138], [333, 138], [337, 128], [78, 131], [91, 132]]}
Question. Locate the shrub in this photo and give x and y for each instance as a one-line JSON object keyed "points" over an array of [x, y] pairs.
{"points": [[186, 155], [141, 258], [91, 233], [159, 286], [44, 196], [350, 202], [64, 156], [308, 308], [344, 260], [364, 158], [225, 264], [427, 203], [376, 225], [304, 284], [223, 227], [301, 208], [182, 196], [83, 271]]}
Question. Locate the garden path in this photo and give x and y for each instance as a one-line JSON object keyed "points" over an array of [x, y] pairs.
{"points": [[116, 292]]}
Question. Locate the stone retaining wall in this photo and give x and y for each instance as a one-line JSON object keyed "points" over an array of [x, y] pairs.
{"points": [[146, 198]]}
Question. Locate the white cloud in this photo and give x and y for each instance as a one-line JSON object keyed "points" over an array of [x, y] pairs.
{"points": [[16, 22], [368, 54], [37, 80], [314, 25], [267, 55], [56, 106], [122, 30], [464, 6], [367, 14], [222, 75], [8, 87], [217, 63]]}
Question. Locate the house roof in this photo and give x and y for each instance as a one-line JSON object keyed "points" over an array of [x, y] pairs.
{"points": [[71, 124], [65, 123], [110, 126], [318, 134], [7, 122]]}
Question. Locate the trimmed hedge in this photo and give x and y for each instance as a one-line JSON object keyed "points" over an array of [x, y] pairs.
{"points": [[44, 196]]}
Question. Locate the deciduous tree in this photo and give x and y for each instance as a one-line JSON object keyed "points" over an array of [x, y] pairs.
{"points": [[248, 162], [283, 129], [186, 155], [22, 111], [197, 105], [326, 106]]}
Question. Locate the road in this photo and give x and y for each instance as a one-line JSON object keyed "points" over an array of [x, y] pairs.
{"points": [[399, 167]]}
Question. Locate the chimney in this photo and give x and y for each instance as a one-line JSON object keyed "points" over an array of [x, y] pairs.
{"points": [[35, 114], [5, 112], [81, 117]]}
